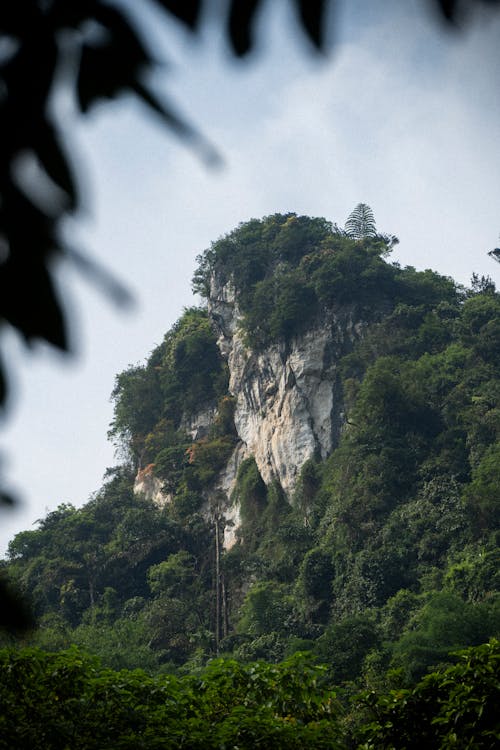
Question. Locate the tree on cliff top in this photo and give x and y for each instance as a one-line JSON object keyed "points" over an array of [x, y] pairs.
{"points": [[361, 222]]}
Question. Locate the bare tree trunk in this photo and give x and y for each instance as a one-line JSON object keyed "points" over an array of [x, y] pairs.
{"points": [[217, 584], [225, 619], [91, 592]]}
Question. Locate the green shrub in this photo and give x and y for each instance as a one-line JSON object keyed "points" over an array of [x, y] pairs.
{"points": [[455, 708]]}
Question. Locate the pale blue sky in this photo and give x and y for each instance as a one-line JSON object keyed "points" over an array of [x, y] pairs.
{"points": [[399, 116]]}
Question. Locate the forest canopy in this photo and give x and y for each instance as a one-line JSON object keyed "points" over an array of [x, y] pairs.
{"points": [[288, 270], [382, 561]]}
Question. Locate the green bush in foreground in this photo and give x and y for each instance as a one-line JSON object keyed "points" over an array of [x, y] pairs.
{"points": [[66, 700], [455, 708]]}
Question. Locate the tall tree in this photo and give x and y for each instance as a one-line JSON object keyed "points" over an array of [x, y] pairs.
{"points": [[361, 222]]}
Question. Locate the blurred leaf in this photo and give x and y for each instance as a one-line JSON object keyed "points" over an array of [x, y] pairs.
{"points": [[6, 499], [16, 17], [183, 129], [99, 275], [457, 12], [111, 65], [241, 20], [15, 615], [311, 14], [72, 15], [29, 301], [3, 384], [55, 162], [187, 11], [94, 60], [29, 75], [448, 8]]}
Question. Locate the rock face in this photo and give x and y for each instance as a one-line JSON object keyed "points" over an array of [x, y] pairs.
{"points": [[150, 486], [198, 425], [288, 400], [288, 403]]}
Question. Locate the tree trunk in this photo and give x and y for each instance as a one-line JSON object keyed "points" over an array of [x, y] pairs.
{"points": [[217, 585]]}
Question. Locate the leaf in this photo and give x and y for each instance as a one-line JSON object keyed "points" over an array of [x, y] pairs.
{"points": [[183, 129], [361, 222], [187, 11], [6, 499], [448, 9], [3, 385], [115, 65], [29, 75], [75, 14], [29, 301], [16, 17], [111, 65], [15, 615], [240, 25], [55, 162], [311, 14], [103, 278]]}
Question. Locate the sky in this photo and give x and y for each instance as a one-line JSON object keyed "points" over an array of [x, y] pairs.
{"points": [[401, 115]]}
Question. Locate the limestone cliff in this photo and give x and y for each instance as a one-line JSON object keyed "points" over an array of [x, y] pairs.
{"points": [[147, 484], [288, 401]]}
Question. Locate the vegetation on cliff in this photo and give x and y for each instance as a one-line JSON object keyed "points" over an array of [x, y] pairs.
{"points": [[287, 270], [56, 701], [385, 558]]}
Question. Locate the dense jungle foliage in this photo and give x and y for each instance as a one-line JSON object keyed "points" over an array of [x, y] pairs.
{"points": [[63, 700], [287, 269], [383, 561]]}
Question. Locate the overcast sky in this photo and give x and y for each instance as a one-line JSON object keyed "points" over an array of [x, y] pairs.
{"points": [[400, 116]]}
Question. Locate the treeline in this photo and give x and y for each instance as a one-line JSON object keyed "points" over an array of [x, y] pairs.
{"points": [[386, 557], [56, 701]]}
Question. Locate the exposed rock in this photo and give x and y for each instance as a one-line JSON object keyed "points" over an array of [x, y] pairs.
{"points": [[198, 425], [288, 402], [225, 486], [147, 484]]}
